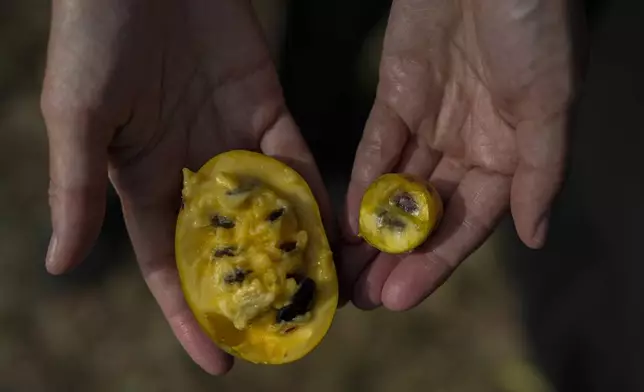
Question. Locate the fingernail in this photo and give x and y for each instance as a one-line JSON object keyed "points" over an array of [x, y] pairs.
{"points": [[50, 260], [352, 211], [541, 232], [348, 230], [353, 223]]}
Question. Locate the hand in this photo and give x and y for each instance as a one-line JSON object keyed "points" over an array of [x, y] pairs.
{"points": [[474, 96], [139, 90]]}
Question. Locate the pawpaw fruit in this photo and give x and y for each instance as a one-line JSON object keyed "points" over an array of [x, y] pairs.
{"points": [[398, 212], [253, 257]]}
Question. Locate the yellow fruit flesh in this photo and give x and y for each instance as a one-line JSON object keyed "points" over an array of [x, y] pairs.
{"points": [[399, 212], [236, 262]]}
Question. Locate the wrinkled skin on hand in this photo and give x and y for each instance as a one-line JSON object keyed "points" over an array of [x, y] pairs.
{"points": [[474, 96], [138, 90]]}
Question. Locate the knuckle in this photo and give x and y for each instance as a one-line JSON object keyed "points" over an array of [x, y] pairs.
{"points": [[80, 193], [432, 259], [47, 106], [61, 108], [53, 192], [55, 107], [475, 225]]}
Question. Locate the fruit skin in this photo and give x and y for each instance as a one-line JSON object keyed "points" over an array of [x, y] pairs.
{"points": [[258, 344], [417, 228]]}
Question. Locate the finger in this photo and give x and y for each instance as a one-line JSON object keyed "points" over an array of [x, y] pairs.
{"points": [[418, 159], [77, 140], [364, 287], [151, 228], [379, 152], [538, 177], [448, 174], [367, 293], [77, 188], [354, 259], [471, 215], [534, 79], [151, 198], [284, 142]]}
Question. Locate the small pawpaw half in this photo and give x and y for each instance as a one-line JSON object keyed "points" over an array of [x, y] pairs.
{"points": [[398, 212], [253, 257]]}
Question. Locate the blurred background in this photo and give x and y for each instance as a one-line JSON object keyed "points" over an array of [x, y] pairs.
{"points": [[509, 319]]}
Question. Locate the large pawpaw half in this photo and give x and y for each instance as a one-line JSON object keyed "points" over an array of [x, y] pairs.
{"points": [[253, 257]]}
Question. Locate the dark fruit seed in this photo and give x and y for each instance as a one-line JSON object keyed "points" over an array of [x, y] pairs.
{"points": [[300, 303], [288, 246], [290, 329], [275, 215], [395, 223], [222, 221], [227, 251], [237, 276], [384, 219], [405, 202]]}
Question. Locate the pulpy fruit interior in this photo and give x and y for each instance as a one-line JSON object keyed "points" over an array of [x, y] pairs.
{"points": [[398, 212], [253, 257]]}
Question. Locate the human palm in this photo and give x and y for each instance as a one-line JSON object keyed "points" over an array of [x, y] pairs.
{"points": [[474, 96], [136, 90]]}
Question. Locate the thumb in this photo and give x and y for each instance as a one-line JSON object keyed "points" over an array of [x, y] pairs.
{"points": [[77, 189], [379, 151], [538, 178]]}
